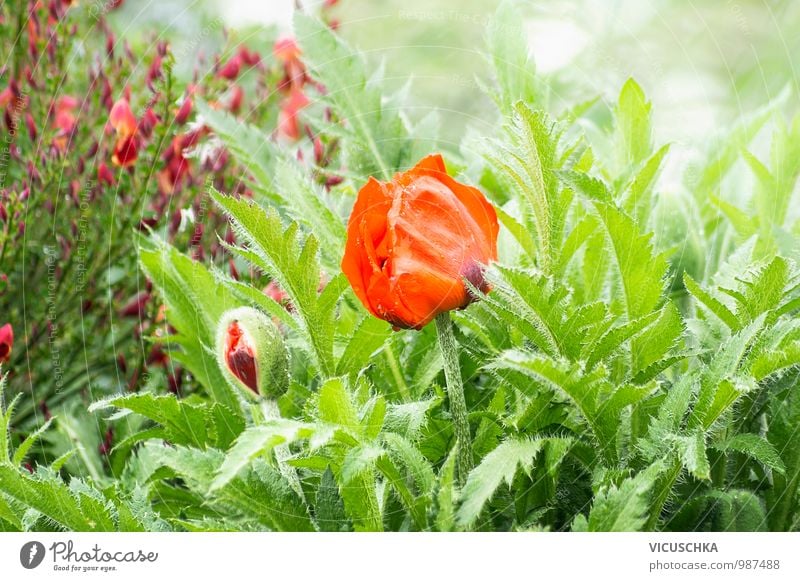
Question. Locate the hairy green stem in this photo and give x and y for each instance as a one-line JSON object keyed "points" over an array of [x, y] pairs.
{"points": [[455, 393], [270, 411]]}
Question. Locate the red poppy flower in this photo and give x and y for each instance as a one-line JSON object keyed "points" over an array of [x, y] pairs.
{"points": [[6, 342], [411, 243]]}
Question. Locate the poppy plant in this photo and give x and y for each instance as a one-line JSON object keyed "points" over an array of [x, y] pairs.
{"points": [[412, 243], [6, 342]]}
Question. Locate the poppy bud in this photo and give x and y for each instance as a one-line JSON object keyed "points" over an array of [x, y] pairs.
{"points": [[6, 342], [413, 241], [252, 354]]}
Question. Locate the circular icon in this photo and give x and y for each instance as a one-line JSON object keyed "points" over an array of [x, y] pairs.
{"points": [[31, 554]]}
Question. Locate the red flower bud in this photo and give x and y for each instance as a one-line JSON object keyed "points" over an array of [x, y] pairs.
{"points": [[6, 342], [231, 69], [237, 95], [148, 121], [184, 111], [249, 58], [31, 124], [240, 355], [252, 353], [136, 306], [104, 175], [411, 243]]}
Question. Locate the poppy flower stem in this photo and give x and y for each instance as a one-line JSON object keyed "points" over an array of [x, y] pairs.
{"points": [[269, 410], [455, 393]]}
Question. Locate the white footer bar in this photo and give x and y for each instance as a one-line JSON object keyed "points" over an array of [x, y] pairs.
{"points": [[423, 556]]}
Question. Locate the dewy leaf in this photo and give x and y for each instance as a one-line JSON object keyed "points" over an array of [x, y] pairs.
{"points": [[336, 406], [51, 497], [329, 513], [718, 388], [528, 164], [185, 423], [713, 304], [638, 198], [368, 336], [28, 442], [692, 452]]}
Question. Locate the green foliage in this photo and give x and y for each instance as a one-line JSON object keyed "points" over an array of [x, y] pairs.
{"points": [[633, 366]]}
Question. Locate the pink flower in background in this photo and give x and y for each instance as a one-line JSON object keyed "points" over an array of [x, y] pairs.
{"points": [[6, 342]]}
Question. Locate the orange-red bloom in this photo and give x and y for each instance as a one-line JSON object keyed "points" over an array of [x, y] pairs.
{"points": [[411, 243], [126, 149], [6, 342]]}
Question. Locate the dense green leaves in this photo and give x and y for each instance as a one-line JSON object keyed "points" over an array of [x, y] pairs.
{"points": [[631, 364]]}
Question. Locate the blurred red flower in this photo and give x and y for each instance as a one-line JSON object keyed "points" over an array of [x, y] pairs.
{"points": [[6, 342], [126, 149]]}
